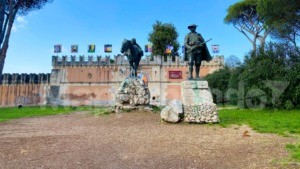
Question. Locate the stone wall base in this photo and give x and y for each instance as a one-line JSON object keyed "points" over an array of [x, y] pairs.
{"points": [[200, 113]]}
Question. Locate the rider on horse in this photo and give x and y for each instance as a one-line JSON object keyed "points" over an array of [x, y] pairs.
{"points": [[134, 53]]}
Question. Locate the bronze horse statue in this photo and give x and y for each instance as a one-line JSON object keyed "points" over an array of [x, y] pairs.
{"points": [[133, 54]]}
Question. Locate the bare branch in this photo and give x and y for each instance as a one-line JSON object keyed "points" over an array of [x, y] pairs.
{"points": [[243, 32]]}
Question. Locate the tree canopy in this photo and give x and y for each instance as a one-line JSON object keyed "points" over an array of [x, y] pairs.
{"points": [[163, 34], [282, 17], [244, 17], [256, 19]]}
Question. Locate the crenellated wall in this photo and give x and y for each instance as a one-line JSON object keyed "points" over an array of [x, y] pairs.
{"points": [[24, 89], [94, 80], [88, 81]]}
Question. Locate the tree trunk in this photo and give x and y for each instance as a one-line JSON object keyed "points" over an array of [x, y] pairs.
{"points": [[3, 50], [263, 39], [1, 68], [254, 46]]}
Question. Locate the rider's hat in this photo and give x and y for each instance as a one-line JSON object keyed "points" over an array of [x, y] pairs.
{"points": [[192, 25]]}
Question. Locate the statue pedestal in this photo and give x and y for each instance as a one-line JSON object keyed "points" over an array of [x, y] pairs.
{"points": [[198, 106], [132, 94]]}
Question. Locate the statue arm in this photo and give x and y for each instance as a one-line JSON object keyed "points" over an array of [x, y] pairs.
{"points": [[199, 44], [186, 43]]}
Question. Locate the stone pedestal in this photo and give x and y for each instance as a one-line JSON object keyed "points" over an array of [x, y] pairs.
{"points": [[132, 94], [198, 106]]}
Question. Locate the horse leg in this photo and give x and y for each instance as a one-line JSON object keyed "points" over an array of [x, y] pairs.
{"points": [[135, 70], [136, 67], [131, 69]]}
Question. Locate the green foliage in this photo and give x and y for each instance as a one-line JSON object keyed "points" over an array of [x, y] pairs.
{"points": [[218, 82], [244, 17], [163, 34], [268, 79], [289, 105], [279, 11], [239, 12], [282, 17], [233, 93]]}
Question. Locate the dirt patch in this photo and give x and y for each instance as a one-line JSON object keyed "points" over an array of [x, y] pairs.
{"points": [[133, 140]]}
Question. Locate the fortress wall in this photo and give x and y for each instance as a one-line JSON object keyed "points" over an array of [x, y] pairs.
{"points": [[90, 81], [24, 89], [23, 94], [82, 94]]}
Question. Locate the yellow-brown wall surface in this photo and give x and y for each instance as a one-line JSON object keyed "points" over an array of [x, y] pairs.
{"points": [[23, 94], [91, 84]]}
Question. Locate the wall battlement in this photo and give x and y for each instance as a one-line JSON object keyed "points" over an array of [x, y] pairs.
{"points": [[120, 60], [80, 80], [24, 78]]}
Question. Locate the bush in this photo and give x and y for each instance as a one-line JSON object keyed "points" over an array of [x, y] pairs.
{"points": [[218, 83], [289, 105], [270, 78]]}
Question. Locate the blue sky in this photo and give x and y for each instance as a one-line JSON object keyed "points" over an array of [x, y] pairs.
{"points": [[100, 22]]}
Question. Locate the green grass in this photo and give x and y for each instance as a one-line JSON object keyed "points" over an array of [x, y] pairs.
{"points": [[15, 113], [265, 121], [282, 122], [294, 150], [98, 111], [157, 109]]}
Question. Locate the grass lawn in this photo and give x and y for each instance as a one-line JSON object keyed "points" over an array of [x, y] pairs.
{"points": [[266, 121], [282, 122], [14, 113]]}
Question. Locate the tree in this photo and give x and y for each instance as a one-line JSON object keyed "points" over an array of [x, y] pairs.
{"points": [[163, 34], [282, 17], [269, 79], [285, 33], [244, 17], [232, 61], [218, 82], [8, 11]]}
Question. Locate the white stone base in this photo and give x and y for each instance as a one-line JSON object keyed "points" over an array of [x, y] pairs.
{"points": [[200, 113], [132, 94], [198, 106]]}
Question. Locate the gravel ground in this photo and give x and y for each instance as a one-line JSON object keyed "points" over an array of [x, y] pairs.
{"points": [[133, 140]]}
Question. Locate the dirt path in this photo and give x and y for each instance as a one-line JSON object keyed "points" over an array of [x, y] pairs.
{"points": [[132, 140]]}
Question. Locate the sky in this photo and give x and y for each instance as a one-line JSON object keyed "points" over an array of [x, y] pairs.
{"points": [[99, 22]]}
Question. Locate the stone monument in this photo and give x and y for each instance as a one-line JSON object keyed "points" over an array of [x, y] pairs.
{"points": [[198, 106], [132, 93]]}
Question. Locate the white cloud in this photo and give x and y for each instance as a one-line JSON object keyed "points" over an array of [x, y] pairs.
{"points": [[14, 28], [20, 22]]}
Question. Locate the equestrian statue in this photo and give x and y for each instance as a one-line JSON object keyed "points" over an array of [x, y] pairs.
{"points": [[134, 53]]}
